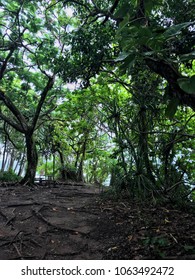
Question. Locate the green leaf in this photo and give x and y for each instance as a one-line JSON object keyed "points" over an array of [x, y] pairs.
{"points": [[187, 84], [128, 63], [150, 4], [172, 108], [156, 42], [188, 56], [149, 53], [175, 29], [189, 248], [122, 56], [123, 24], [123, 10], [144, 34]]}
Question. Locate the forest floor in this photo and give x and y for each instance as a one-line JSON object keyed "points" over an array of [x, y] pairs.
{"points": [[72, 221]]}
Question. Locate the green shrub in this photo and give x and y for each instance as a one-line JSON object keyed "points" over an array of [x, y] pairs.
{"points": [[9, 176]]}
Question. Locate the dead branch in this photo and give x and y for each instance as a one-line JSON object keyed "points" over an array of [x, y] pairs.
{"points": [[18, 252]]}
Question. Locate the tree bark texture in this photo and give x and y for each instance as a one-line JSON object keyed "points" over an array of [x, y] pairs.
{"points": [[32, 160]]}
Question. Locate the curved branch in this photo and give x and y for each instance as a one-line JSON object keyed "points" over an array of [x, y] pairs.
{"points": [[4, 65], [47, 88], [167, 72], [10, 122], [10, 105], [9, 138]]}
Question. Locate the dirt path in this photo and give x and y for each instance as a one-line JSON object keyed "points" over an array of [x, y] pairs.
{"points": [[71, 222], [48, 222]]}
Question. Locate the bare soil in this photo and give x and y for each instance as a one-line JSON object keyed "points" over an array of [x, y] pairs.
{"points": [[71, 221]]}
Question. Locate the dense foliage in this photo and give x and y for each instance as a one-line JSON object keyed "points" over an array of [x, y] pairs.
{"points": [[101, 91]]}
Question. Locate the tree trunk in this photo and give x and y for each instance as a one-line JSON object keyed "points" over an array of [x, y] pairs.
{"points": [[32, 160], [22, 163], [54, 165], [80, 176], [63, 171], [12, 158], [4, 155], [143, 144], [18, 161]]}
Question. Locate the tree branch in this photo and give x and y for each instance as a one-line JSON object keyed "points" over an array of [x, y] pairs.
{"points": [[10, 122], [112, 9], [47, 88], [4, 65], [76, 2], [167, 71], [9, 138], [10, 105]]}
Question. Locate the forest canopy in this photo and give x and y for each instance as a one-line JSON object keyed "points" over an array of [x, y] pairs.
{"points": [[100, 91]]}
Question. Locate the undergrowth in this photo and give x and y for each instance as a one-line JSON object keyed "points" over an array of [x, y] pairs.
{"points": [[9, 176]]}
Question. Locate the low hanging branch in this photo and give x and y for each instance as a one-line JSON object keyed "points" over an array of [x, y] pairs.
{"points": [[167, 71]]}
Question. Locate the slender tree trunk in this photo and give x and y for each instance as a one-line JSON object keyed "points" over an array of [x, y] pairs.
{"points": [[6, 160], [12, 158], [4, 155], [80, 169], [32, 160], [63, 171], [143, 144], [22, 162], [46, 160], [21, 167], [17, 163], [77, 159], [54, 165]]}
